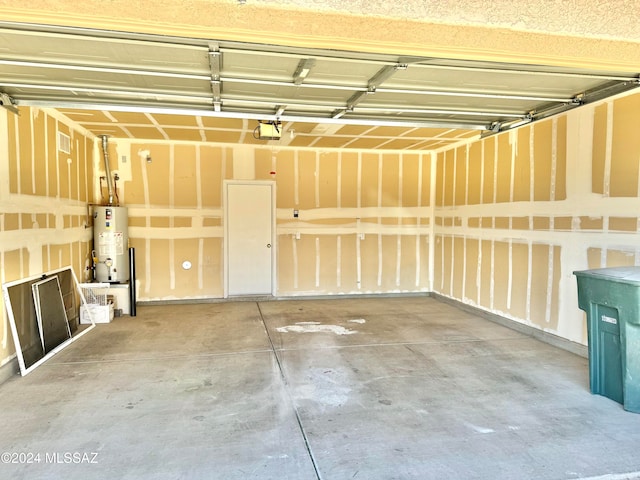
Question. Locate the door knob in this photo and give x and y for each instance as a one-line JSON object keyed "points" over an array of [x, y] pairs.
{"points": [[268, 245]]}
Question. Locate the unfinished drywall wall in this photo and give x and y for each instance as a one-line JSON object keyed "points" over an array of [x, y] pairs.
{"points": [[173, 192], [363, 221], [45, 185], [517, 213]]}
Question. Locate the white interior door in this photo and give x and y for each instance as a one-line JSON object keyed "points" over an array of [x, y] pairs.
{"points": [[249, 223]]}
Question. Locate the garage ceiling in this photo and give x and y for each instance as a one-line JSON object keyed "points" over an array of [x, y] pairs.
{"points": [[159, 87]]}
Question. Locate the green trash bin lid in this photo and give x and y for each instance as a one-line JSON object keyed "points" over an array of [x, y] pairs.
{"points": [[629, 275]]}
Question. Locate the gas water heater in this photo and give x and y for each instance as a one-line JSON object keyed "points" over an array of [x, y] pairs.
{"points": [[111, 243]]}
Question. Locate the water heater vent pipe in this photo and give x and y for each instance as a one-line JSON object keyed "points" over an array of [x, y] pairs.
{"points": [[105, 152]]}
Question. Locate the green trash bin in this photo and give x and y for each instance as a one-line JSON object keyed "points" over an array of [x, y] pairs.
{"points": [[611, 299]]}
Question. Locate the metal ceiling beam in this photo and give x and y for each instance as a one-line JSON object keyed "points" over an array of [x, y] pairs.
{"points": [[355, 99], [384, 74], [215, 62]]}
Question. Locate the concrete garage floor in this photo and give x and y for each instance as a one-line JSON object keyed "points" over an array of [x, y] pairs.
{"points": [[388, 388]]}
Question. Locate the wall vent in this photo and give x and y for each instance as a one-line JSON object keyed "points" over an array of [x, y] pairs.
{"points": [[64, 142]]}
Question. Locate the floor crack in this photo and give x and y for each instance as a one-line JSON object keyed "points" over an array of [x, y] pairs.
{"points": [[293, 404]]}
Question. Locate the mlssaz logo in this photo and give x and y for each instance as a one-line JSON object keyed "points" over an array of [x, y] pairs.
{"points": [[71, 457]]}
